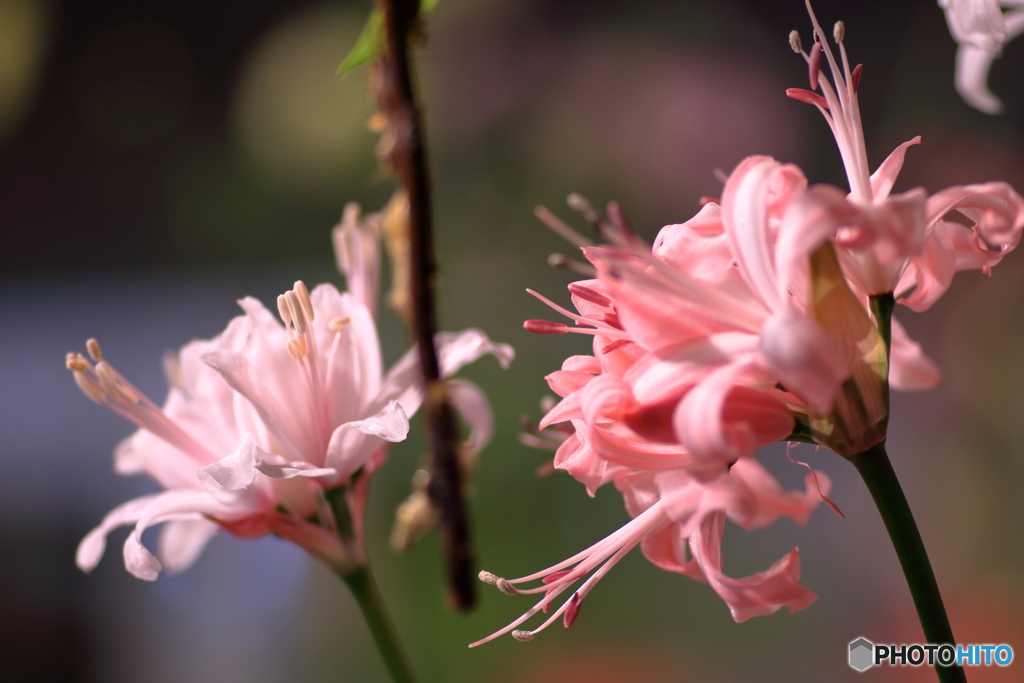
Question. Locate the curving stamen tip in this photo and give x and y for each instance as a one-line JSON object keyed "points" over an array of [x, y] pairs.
{"points": [[282, 309], [523, 636], [90, 387], [545, 327], [337, 323], [855, 77], [296, 311], [573, 610], [488, 577], [505, 587], [578, 202], [814, 66], [795, 43], [75, 362], [93, 347], [839, 31], [557, 260], [302, 294]]}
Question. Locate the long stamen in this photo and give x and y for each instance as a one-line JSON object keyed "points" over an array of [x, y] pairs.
{"points": [[105, 385], [601, 556], [845, 122]]}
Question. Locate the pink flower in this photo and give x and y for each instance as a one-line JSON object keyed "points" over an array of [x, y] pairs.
{"points": [[746, 325], [679, 517], [897, 243], [981, 29], [262, 420]]}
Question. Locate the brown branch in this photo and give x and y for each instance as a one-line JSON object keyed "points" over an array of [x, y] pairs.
{"points": [[403, 147]]}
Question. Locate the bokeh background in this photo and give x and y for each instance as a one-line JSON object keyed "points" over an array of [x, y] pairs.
{"points": [[159, 160]]}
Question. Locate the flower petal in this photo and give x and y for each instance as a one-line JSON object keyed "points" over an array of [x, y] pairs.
{"points": [[755, 595], [804, 358], [454, 349], [471, 403], [910, 369], [883, 179], [169, 505], [182, 540], [91, 548], [353, 443]]}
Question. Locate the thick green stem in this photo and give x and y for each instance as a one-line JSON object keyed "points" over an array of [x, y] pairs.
{"points": [[882, 306], [377, 619], [876, 470]]}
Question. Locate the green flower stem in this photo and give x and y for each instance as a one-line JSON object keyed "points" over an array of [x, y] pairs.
{"points": [[876, 470], [882, 306], [377, 619]]}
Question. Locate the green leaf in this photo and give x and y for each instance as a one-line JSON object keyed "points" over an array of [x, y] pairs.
{"points": [[371, 42]]}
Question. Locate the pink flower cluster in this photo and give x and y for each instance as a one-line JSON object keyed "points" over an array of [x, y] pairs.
{"points": [[265, 418], [749, 324]]}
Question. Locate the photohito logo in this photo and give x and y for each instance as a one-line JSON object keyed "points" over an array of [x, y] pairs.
{"points": [[864, 654]]}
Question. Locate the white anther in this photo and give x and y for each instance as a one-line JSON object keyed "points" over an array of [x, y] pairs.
{"points": [[338, 323], [282, 308], [297, 314], [303, 296], [297, 348], [93, 347], [75, 361], [795, 43], [488, 577], [505, 587], [523, 636], [839, 31]]}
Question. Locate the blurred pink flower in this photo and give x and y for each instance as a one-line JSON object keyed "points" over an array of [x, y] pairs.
{"points": [[981, 29], [262, 420]]}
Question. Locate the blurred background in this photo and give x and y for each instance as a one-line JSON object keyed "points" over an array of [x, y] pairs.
{"points": [[159, 160]]}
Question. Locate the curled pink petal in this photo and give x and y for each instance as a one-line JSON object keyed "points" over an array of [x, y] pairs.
{"points": [[804, 358], [910, 368]]}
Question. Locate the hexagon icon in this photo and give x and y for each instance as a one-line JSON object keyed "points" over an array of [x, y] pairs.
{"points": [[862, 653]]}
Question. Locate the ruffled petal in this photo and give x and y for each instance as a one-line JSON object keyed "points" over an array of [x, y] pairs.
{"points": [[91, 548], [910, 369], [454, 349], [166, 506], [771, 501], [719, 421], [755, 595], [666, 374], [807, 362], [471, 403], [996, 209], [353, 443]]}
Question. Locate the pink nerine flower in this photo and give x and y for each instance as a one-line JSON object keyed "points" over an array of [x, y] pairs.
{"points": [[758, 320], [677, 512], [260, 422], [895, 243], [981, 29]]}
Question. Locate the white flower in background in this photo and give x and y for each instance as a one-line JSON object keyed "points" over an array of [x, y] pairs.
{"points": [[981, 29]]}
